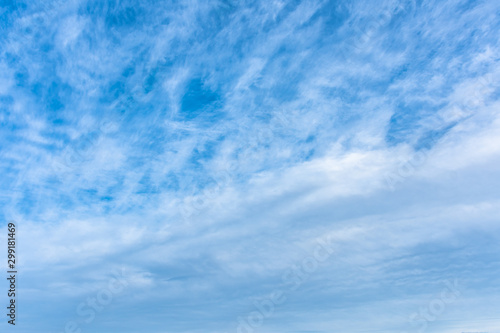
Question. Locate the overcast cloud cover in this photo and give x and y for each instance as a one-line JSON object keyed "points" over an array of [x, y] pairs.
{"points": [[204, 149]]}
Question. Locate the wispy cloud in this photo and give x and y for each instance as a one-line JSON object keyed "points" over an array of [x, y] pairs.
{"points": [[204, 147]]}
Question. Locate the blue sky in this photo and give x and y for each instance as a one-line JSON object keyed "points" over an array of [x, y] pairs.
{"points": [[199, 152]]}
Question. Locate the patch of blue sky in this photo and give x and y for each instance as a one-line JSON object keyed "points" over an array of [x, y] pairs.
{"points": [[431, 137], [200, 101], [404, 123]]}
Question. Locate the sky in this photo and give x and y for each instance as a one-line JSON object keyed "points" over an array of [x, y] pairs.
{"points": [[252, 166]]}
